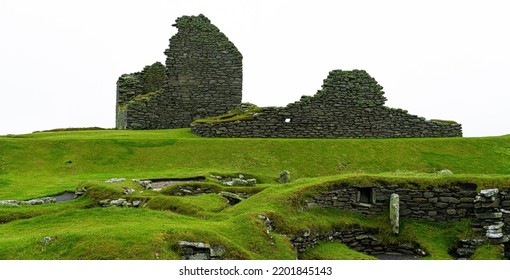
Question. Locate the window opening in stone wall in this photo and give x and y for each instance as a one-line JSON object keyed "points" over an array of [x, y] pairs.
{"points": [[365, 195], [287, 120]]}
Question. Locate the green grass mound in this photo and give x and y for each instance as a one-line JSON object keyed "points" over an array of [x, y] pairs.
{"points": [[48, 163]]}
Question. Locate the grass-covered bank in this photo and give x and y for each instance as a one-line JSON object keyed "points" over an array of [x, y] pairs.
{"points": [[43, 164], [50, 162]]}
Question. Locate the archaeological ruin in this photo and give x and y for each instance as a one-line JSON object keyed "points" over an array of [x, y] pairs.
{"points": [[200, 86], [202, 77]]}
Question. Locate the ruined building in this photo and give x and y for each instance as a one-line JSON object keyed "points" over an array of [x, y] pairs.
{"points": [[202, 79], [349, 105]]}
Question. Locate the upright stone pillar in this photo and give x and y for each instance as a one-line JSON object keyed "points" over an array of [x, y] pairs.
{"points": [[394, 213]]}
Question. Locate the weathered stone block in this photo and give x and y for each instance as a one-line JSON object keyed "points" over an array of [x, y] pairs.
{"points": [[394, 213], [441, 205], [451, 211], [489, 192], [466, 200], [505, 203], [493, 204], [428, 194], [466, 205], [420, 200], [493, 215], [449, 200]]}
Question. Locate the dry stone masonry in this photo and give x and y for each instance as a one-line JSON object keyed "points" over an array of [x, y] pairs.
{"points": [[360, 239], [202, 78], [349, 105], [488, 210], [200, 251]]}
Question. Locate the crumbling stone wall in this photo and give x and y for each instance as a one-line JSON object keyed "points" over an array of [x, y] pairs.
{"points": [[433, 204], [203, 78], [489, 210], [357, 238], [349, 105]]}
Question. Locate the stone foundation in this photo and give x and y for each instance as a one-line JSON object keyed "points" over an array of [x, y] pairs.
{"points": [[359, 239], [488, 210]]}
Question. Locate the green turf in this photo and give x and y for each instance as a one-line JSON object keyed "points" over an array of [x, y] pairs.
{"points": [[48, 163], [334, 251]]}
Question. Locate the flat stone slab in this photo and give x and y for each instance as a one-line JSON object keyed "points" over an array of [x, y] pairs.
{"points": [[489, 192]]}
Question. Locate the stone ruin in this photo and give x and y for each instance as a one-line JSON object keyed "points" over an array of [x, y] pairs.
{"points": [[488, 211], [202, 78], [349, 105]]}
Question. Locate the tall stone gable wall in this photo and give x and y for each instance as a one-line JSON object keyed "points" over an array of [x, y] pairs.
{"points": [[203, 78], [349, 105]]}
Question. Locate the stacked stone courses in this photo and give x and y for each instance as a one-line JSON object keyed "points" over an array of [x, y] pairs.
{"points": [[203, 78], [435, 204], [349, 105], [488, 210]]}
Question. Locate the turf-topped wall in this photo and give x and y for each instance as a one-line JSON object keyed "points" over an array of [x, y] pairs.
{"points": [[202, 78], [349, 105], [434, 204], [488, 210]]}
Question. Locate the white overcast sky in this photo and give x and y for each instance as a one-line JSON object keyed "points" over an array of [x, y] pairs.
{"points": [[60, 60]]}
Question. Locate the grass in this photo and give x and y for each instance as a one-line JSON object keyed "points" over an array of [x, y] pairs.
{"points": [[48, 163], [243, 112], [488, 252], [334, 251]]}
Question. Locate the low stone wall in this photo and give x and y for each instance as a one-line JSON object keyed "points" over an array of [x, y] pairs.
{"points": [[438, 204], [360, 239], [349, 105]]}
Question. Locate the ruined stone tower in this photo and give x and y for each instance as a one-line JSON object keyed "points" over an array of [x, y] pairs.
{"points": [[202, 78]]}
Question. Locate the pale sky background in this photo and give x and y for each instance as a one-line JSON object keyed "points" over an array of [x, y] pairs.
{"points": [[60, 60]]}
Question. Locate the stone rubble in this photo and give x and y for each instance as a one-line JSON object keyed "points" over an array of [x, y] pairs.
{"points": [[200, 251], [120, 202], [284, 177], [115, 180], [232, 198], [128, 191], [147, 184], [46, 240], [268, 223], [36, 201], [236, 182]]}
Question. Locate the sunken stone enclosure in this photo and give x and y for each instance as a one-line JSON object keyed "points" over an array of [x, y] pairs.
{"points": [[202, 78], [488, 210]]}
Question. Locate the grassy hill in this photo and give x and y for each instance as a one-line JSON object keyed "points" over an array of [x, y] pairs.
{"points": [[48, 163]]}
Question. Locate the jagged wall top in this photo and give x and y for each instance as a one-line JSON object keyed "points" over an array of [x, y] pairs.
{"points": [[203, 31], [356, 87], [350, 104], [199, 22], [202, 78]]}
